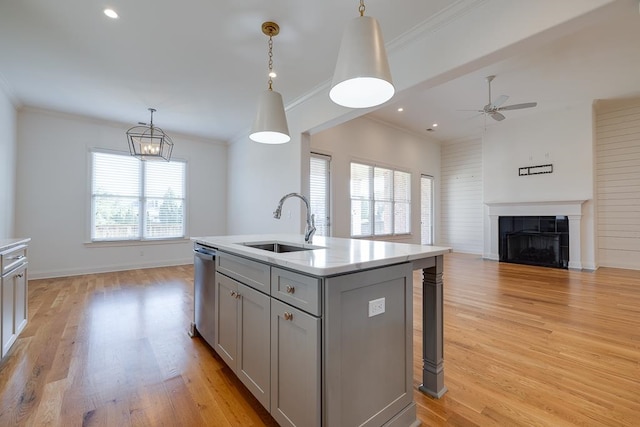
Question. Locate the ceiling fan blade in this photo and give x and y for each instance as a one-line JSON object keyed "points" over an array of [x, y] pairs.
{"points": [[498, 102], [518, 106], [480, 113], [497, 116]]}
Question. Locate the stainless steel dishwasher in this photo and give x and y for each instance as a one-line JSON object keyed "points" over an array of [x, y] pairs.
{"points": [[204, 280]]}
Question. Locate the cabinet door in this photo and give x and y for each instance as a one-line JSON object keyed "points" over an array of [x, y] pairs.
{"points": [[8, 329], [252, 365], [295, 366], [226, 313], [20, 297]]}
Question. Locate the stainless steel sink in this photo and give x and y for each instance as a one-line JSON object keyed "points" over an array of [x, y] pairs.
{"points": [[278, 247]]}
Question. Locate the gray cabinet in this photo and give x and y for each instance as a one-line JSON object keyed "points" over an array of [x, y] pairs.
{"points": [[253, 363], [319, 351], [226, 313], [295, 366], [13, 295], [242, 334], [368, 353], [251, 273], [298, 290]]}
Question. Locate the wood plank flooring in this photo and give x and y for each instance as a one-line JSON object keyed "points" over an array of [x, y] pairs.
{"points": [[523, 346]]}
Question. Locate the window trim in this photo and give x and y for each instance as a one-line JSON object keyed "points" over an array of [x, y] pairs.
{"points": [[393, 170], [90, 242]]}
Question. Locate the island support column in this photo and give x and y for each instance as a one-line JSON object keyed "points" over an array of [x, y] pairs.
{"points": [[433, 329]]}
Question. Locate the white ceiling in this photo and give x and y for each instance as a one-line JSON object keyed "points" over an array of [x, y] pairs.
{"points": [[202, 64]]}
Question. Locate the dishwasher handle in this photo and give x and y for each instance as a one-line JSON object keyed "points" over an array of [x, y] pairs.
{"points": [[205, 254]]}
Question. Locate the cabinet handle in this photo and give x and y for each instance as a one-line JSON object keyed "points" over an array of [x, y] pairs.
{"points": [[16, 257], [290, 289], [288, 316], [234, 294], [19, 276]]}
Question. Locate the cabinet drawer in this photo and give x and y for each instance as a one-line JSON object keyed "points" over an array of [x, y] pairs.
{"points": [[303, 292], [251, 273], [13, 258]]}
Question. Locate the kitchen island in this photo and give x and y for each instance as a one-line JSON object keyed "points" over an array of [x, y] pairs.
{"points": [[322, 333]]}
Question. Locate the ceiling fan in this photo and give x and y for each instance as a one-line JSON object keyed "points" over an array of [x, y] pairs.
{"points": [[493, 109]]}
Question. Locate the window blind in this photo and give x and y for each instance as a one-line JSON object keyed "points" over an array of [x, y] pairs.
{"points": [[361, 199], [402, 202], [134, 200], [380, 201], [426, 210], [319, 191]]}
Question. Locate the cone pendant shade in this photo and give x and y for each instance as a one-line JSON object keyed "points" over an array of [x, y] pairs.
{"points": [[362, 78], [270, 125]]}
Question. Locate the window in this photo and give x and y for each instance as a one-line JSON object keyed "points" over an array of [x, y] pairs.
{"points": [[319, 165], [136, 200], [380, 201], [426, 210]]}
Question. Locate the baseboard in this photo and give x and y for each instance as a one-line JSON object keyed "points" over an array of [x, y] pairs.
{"points": [[50, 274]]}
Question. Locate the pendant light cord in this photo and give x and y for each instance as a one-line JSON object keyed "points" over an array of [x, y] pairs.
{"points": [[361, 8]]}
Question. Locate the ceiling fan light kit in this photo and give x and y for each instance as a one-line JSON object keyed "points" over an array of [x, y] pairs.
{"points": [[362, 77]]}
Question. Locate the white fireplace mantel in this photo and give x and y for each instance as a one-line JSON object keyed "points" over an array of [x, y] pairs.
{"points": [[570, 208]]}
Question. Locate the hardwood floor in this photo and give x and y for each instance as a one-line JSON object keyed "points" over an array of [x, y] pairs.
{"points": [[523, 346]]}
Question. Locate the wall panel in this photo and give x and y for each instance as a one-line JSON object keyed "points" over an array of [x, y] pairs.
{"points": [[618, 183], [461, 196]]}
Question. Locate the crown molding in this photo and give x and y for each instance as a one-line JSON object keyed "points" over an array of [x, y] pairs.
{"points": [[456, 10]]}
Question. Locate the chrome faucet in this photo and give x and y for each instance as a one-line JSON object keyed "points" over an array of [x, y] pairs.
{"points": [[311, 223]]}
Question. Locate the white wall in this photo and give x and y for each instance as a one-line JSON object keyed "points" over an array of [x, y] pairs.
{"points": [[562, 138], [462, 203], [53, 204], [8, 142], [259, 175], [374, 142]]}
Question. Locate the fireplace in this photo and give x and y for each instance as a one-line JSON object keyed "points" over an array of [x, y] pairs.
{"points": [[534, 240], [571, 209]]}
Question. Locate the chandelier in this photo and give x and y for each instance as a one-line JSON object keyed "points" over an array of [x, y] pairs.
{"points": [[148, 142]]}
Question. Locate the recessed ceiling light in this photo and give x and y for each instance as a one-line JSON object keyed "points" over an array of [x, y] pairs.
{"points": [[111, 13], [435, 125], [400, 109]]}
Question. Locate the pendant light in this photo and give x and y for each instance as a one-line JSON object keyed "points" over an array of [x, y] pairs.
{"points": [[148, 142], [362, 78], [270, 124]]}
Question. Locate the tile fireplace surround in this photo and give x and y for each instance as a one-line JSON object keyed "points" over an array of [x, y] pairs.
{"points": [[570, 208]]}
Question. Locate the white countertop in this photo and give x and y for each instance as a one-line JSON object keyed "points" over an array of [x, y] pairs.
{"points": [[7, 243], [330, 256]]}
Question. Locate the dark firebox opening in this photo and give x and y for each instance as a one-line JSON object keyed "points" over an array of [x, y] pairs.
{"points": [[535, 240]]}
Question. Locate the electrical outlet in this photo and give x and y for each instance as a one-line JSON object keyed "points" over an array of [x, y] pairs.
{"points": [[376, 307]]}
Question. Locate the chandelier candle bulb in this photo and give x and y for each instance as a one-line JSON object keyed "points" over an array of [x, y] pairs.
{"points": [[148, 142]]}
